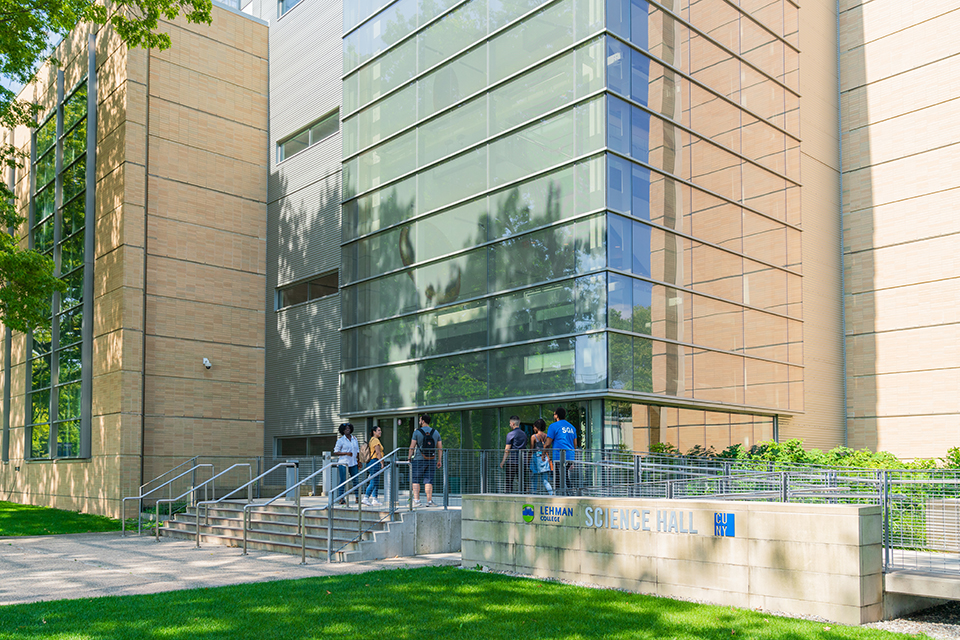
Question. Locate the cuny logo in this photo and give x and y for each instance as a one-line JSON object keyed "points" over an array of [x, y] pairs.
{"points": [[528, 513]]}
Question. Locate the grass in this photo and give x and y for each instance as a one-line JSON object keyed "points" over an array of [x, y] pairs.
{"points": [[28, 520], [419, 604]]}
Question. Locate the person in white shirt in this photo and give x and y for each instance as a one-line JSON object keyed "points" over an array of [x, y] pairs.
{"points": [[347, 449]]}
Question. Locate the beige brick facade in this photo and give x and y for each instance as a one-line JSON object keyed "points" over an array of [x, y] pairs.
{"points": [[179, 262], [901, 150]]}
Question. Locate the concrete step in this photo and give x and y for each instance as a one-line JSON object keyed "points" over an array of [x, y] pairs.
{"points": [[272, 531], [340, 521], [314, 548]]}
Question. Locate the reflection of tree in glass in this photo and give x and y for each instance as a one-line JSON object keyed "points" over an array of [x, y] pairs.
{"points": [[40, 442], [456, 379], [40, 373], [543, 255]]}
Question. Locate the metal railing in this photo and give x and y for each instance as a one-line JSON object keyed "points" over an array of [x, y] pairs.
{"points": [[139, 498], [391, 464], [248, 508], [248, 486], [192, 491]]}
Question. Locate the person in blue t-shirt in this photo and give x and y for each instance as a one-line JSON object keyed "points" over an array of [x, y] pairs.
{"points": [[562, 436]]}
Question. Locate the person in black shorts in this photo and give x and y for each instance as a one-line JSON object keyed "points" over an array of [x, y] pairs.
{"points": [[426, 455], [516, 442]]}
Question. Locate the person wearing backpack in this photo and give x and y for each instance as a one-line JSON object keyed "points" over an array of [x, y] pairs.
{"points": [[426, 455]]}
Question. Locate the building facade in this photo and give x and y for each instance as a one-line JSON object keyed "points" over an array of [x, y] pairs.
{"points": [[583, 203], [146, 184], [479, 208]]}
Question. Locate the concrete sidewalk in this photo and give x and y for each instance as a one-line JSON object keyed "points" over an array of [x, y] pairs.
{"points": [[90, 565]]}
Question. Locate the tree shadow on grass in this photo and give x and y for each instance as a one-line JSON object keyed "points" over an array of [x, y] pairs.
{"points": [[436, 602]]}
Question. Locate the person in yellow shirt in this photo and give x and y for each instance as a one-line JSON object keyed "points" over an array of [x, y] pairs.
{"points": [[375, 464]]}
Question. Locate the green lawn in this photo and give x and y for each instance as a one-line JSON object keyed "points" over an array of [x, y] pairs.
{"points": [[419, 604], [27, 520]]}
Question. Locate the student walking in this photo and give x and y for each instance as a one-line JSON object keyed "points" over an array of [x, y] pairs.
{"points": [[540, 463], [375, 464], [347, 449]]}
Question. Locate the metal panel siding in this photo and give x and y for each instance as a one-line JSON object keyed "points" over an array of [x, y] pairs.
{"points": [[306, 61], [304, 237], [303, 222], [303, 371]]}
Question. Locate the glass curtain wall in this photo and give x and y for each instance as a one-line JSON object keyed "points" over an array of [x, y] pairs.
{"points": [[703, 243], [473, 223], [571, 196], [59, 212]]}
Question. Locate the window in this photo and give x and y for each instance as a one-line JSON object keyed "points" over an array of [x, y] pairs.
{"points": [[319, 287], [309, 136], [285, 5]]}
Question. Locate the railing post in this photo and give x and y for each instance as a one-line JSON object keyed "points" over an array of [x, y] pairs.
{"points": [[483, 471], [885, 510], [393, 476], [563, 472], [259, 462], [329, 526], [670, 489], [327, 480], [123, 518], [445, 461], [359, 518], [303, 538], [245, 512], [784, 481]]}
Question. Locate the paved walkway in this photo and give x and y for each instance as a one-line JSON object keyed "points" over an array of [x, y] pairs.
{"points": [[90, 565]]}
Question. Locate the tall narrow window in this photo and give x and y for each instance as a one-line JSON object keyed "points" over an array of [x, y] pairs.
{"points": [[54, 368]]}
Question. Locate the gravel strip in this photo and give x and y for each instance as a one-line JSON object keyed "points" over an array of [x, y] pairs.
{"points": [[941, 622]]}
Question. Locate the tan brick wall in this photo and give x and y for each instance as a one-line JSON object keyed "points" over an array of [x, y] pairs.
{"points": [[206, 243], [822, 423], [901, 129], [181, 171]]}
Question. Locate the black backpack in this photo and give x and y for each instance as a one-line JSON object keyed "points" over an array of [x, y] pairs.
{"points": [[429, 445]]}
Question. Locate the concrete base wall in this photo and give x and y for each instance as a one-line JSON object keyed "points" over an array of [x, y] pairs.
{"points": [[822, 560], [415, 533]]}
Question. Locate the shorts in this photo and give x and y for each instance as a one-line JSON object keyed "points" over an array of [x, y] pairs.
{"points": [[423, 471]]}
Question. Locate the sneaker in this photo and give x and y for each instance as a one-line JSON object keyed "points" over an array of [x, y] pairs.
{"points": [[417, 503], [366, 501], [375, 503], [431, 503]]}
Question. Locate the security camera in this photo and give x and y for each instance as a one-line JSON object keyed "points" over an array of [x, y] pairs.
{"points": [[207, 363]]}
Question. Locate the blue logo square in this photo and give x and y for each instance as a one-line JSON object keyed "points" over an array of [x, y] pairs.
{"points": [[725, 525]]}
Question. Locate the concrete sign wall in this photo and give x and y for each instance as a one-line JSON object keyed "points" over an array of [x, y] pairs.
{"points": [[823, 560]]}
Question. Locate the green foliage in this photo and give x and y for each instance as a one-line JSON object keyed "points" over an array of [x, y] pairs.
{"points": [[28, 520], [791, 452], [952, 459], [664, 447], [431, 602], [26, 276]]}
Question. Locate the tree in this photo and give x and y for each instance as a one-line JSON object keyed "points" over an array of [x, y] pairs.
{"points": [[26, 26]]}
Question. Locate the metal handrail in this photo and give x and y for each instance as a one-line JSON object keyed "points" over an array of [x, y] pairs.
{"points": [[123, 503], [391, 509], [286, 491], [193, 459], [248, 486], [202, 484]]}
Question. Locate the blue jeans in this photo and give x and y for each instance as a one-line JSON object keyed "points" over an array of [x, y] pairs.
{"points": [[342, 471], [541, 480], [374, 485]]}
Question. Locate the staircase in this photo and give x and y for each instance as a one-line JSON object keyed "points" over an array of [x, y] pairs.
{"points": [[275, 529]]}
